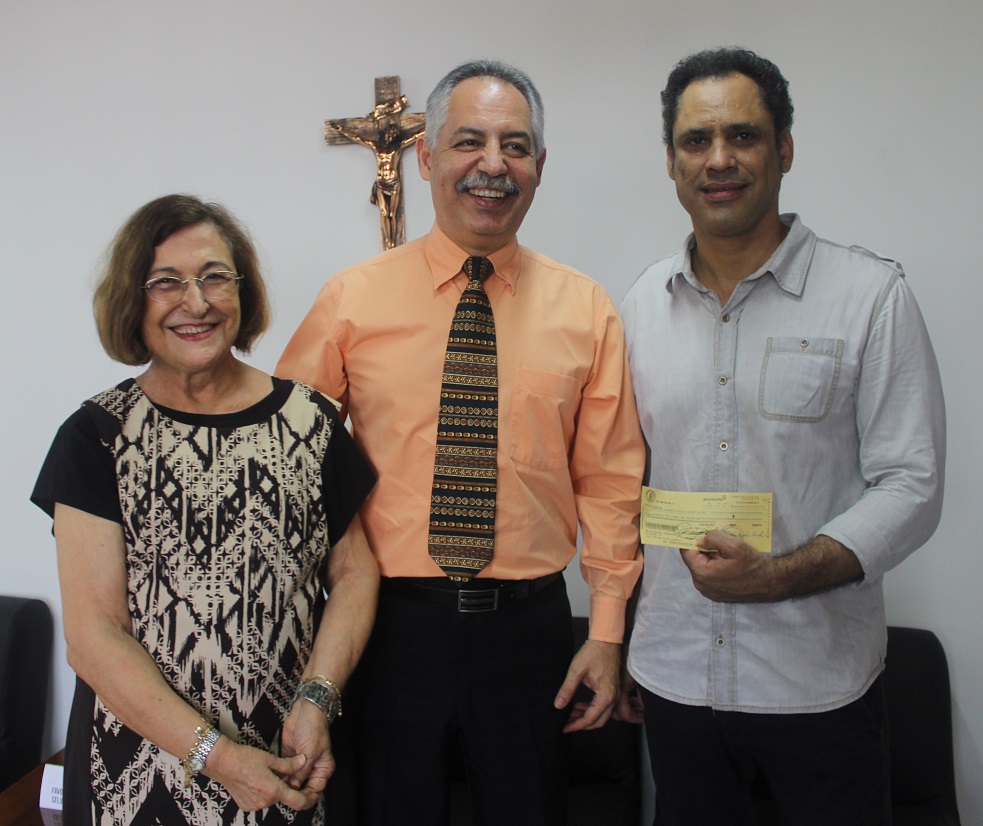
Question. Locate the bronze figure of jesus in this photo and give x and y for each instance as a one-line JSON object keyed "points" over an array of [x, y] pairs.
{"points": [[387, 130]]}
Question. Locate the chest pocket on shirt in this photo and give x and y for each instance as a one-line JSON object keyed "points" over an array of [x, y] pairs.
{"points": [[798, 378], [542, 423]]}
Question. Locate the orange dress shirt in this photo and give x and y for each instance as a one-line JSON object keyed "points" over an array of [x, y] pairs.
{"points": [[570, 449]]}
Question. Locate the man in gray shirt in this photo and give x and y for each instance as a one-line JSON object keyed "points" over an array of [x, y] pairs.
{"points": [[766, 359]]}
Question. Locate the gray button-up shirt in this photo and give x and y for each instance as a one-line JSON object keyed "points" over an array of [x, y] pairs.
{"points": [[816, 382]]}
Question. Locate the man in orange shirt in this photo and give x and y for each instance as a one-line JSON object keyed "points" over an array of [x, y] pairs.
{"points": [[474, 653]]}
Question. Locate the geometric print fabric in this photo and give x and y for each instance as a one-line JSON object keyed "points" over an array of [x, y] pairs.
{"points": [[226, 531]]}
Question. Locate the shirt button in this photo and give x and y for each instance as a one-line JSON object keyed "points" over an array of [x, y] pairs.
{"points": [[722, 380], [720, 641], [725, 318], [723, 445]]}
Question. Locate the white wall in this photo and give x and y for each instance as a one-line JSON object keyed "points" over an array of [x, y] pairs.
{"points": [[108, 103]]}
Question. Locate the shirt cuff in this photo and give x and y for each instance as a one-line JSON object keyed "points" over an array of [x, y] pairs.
{"points": [[871, 548], [607, 618]]}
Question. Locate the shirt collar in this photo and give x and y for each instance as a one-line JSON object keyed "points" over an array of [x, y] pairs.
{"points": [[445, 259], [788, 265]]}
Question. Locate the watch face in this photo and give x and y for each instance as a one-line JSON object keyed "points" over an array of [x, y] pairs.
{"points": [[197, 763]]}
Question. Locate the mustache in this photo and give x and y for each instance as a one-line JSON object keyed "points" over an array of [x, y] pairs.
{"points": [[481, 180]]}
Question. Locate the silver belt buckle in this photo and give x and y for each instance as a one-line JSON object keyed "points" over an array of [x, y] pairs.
{"points": [[477, 602]]}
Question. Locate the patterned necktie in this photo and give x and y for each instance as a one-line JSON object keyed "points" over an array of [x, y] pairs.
{"points": [[462, 506]]}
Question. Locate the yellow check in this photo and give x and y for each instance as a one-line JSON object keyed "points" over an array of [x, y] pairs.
{"points": [[677, 520]]}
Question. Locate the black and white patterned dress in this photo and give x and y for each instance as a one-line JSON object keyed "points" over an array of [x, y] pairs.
{"points": [[227, 521]]}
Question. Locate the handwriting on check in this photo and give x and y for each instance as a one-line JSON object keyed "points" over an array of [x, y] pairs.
{"points": [[677, 519]]}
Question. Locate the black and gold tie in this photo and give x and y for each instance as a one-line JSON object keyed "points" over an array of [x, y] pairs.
{"points": [[462, 506]]}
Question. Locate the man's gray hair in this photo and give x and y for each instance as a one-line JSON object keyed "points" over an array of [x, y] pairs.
{"points": [[439, 99]]}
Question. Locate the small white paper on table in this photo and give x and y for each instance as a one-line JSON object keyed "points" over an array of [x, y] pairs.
{"points": [[52, 788]]}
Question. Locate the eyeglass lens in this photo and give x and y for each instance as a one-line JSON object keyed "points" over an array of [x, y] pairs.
{"points": [[169, 289]]}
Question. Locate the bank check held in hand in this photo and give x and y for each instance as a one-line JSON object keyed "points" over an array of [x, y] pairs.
{"points": [[677, 520]]}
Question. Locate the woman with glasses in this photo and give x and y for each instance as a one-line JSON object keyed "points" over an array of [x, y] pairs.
{"points": [[200, 510]]}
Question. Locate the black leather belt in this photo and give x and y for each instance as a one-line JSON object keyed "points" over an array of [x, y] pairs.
{"points": [[466, 598]]}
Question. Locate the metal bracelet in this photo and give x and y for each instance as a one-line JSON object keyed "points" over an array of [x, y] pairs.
{"points": [[195, 759], [323, 693]]}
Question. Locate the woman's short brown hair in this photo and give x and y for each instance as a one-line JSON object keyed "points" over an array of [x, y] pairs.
{"points": [[119, 301]]}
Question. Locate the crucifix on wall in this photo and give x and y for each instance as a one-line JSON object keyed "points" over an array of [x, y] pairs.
{"points": [[387, 130]]}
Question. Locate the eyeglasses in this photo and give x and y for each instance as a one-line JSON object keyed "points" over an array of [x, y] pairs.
{"points": [[169, 290]]}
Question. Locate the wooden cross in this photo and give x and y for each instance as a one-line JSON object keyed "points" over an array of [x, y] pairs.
{"points": [[387, 130]]}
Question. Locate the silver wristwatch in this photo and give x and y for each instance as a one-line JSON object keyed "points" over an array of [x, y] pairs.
{"points": [[195, 761]]}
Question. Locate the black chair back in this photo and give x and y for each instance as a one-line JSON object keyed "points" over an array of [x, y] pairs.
{"points": [[25, 668]]}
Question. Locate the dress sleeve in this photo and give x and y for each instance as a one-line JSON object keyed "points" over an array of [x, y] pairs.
{"points": [[315, 354], [79, 471], [607, 464], [347, 479]]}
